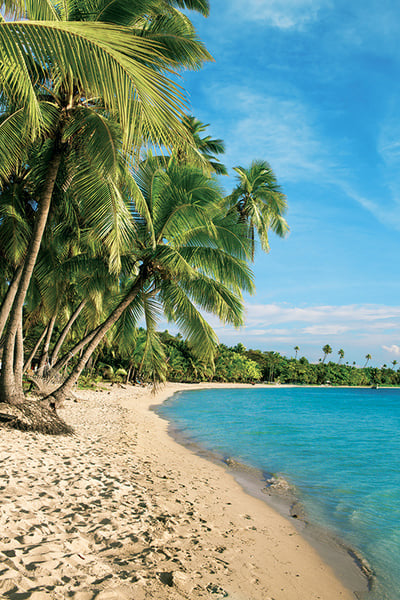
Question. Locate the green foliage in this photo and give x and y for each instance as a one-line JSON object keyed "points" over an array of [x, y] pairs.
{"points": [[233, 366], [88, 381]]}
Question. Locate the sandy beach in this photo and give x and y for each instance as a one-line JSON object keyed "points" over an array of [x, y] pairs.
{"points": [[122, 511]]}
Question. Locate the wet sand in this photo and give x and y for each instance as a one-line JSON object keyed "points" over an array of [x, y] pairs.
{"points": [[122, 511]]}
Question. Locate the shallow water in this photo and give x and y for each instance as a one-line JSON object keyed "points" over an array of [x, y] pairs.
{"points": [[339, 447]]}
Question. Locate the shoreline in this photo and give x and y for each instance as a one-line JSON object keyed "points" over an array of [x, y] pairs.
{"points": [[121, 511], [347, 563]]}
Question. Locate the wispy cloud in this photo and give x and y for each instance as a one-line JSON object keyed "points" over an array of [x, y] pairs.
{"points": [[292, 14], [274, 126], [367, 314]]}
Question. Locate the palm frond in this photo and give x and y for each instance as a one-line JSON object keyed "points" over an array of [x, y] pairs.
{"points": [[99, 136], [177, 37], [154, 360], [13, 8], [104, 211], [16, 138], [108, 62], [221, 266], [42, 10], [201, 6], [179, 309], [15, 229], [121, 12], [215, 298]]}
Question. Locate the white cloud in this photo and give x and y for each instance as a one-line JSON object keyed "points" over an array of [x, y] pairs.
{"points": [[393, 349]]}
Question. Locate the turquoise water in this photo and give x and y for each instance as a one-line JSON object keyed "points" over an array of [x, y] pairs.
{"points": [[339, 447]]}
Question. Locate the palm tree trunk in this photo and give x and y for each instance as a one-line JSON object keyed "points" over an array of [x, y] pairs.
{"points": [[65, 332], [45, 352], [71, 353], [10, 388], [65, 389], [9, 299], [35, 349], [81, 350], [19, 353]]}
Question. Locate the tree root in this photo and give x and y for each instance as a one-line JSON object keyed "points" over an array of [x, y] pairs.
{"points": [[33, 415]]}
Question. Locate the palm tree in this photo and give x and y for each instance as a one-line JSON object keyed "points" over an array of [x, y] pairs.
{"points": [[186, 255], [296, 349], [368, 358], [341, 355], [326, 350], [77, 90], [259, 202], [394, 363], [205, 146]]}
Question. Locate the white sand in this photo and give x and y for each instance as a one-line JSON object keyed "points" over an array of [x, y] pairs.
{"points": [[121, 511]]}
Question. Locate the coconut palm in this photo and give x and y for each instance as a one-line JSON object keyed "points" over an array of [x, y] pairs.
{"points": [[296, 349], [368, 358], [341, 355], [326, 350], [204, 147], [188, 258], [259, 202], [77, 90]]}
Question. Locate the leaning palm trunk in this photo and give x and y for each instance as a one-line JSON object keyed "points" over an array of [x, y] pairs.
{"points": [[9, 299], [35, 349], [11, 391], [65, 332], [65, 389], [60, 364], [45, 352]]}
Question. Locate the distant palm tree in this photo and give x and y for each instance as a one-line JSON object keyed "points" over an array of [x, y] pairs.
{"points": [[368, 357], [341, 355], [326, 350], [259, 202], [206, 146], [394, 363], [296, 349]]}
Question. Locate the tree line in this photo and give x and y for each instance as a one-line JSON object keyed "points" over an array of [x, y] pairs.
{"points": [[232, 365]]}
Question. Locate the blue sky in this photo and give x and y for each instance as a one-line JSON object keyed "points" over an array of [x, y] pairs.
{"points": [[312, 86]]}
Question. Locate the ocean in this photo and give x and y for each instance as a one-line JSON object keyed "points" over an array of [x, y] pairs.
{"points": [[339, 448]]}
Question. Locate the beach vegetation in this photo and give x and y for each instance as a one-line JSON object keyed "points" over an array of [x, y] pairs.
{"points": [[238, 364], [83, 87], [111, 213]]}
